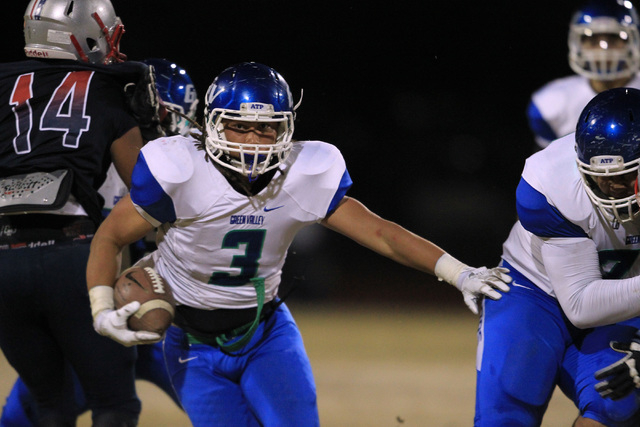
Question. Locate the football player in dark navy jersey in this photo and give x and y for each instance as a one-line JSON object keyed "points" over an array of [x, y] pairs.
{"points": [[178, 93], [64, 118], [60, 115]]}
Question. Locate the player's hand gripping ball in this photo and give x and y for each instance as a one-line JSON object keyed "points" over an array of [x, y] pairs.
{"points": [[157, 306]]}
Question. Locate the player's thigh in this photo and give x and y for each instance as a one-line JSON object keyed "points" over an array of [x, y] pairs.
{"points": [[278, 383], [150, 367], [25, 337], [521, 342], [214, 400], [578, 380], [207, 387], [104, 367]]}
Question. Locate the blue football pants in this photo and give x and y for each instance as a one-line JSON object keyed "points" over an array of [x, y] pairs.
{"points": [[526, 347], [267, 383]]}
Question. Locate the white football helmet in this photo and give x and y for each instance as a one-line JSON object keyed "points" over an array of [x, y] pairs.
{"points": [[82, 30], [612, 26], [249, 92]]}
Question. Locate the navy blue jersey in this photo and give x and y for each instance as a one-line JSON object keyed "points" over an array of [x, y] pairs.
{"points": [[58, 114]]}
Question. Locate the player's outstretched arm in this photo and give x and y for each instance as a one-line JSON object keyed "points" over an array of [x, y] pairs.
{"points": [[352, 219]]}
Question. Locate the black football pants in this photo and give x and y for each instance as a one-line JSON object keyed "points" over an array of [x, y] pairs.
{"points": [[46, 326]]}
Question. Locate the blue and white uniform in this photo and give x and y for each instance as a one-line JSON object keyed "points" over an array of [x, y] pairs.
{"points": [[554, 108], [575, 275], [212, 240], [112, 190]]}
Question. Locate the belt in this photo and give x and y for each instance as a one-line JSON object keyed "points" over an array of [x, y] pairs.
{"points": [[194, 321], [38, 230]]}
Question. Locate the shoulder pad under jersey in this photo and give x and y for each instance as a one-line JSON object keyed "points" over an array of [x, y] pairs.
{"points": [[170, 158]]}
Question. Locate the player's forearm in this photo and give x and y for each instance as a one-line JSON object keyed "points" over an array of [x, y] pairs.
{"points": [[604, 302], [387, 238], [408, 248], [587, 299], [103, 266]]}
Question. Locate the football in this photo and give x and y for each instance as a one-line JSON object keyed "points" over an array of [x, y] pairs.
{"points": [[157, 306]]}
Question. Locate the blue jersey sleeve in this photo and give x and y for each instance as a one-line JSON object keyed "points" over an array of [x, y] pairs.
{"points": [[538, 124], [540, 218], [147, 193], [345, 184]]}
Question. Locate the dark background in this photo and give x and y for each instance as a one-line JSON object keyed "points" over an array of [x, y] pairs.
{"points": [[426, 101]]}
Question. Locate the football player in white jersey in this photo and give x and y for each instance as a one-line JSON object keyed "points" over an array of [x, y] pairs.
{"points": [[604, 51], [573, 257], [228, 206]]}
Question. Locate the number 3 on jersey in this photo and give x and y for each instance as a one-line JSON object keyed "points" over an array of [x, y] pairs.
{"points": [[247, 263], [65, 111]]}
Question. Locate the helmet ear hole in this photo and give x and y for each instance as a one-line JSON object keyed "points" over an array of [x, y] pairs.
{"points": [[92, 43]]}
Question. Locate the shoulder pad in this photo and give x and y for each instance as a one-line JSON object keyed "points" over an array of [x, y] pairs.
{"points": [[170, 159], [315, 157]]}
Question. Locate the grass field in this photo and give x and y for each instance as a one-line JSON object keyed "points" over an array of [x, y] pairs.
{"points": [[373, 368]]}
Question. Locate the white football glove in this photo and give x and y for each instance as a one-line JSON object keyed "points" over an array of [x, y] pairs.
{"points": [[474, 283], [113, 324]]}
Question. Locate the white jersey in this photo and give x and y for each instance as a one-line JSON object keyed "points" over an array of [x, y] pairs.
{"points": [[212, 239], [112, 190], [554, 209], [556, 106]]}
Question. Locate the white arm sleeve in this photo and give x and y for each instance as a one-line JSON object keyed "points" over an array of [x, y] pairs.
{"points": [[587, 299]]}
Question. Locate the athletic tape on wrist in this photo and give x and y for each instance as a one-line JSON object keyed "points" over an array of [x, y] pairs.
{"points": [[448, 269], [101, 298]]}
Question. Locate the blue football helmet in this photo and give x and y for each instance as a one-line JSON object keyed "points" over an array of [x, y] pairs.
{"points": [[249, 92], [608, 144], [604, 42], [178, 92]]}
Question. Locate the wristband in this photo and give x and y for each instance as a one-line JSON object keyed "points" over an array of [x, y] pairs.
{"points": [[448, 269], [101, 298]]}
